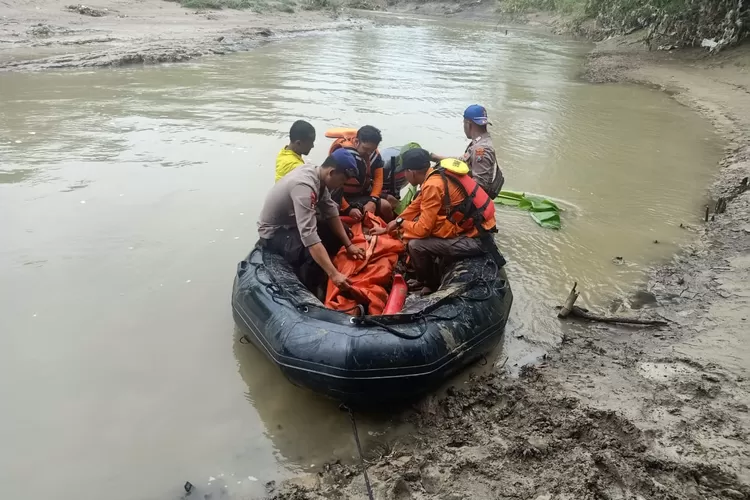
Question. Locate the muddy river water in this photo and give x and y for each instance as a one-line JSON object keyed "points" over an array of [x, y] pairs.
{"points": [[127, 197]]}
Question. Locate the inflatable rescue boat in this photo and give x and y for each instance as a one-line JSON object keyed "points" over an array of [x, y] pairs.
{"points": [[366, 360]]}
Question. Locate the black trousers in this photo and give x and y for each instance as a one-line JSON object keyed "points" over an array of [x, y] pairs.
{"points": [[428, 254], [288, 244]]}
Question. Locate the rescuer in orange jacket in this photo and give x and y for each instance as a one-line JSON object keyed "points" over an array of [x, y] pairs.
{"points": [[451, 217], [363, 193]]}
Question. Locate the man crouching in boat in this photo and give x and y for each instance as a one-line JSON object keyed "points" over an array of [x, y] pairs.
{"points": [[289, 227], [363, 192], [451, 217]]}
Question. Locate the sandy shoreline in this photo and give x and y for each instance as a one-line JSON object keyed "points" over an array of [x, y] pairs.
{"points": [[616, 412], [46, 34]]}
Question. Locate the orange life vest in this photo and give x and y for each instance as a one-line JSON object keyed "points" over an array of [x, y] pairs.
{"points": [[476, 207], [362, 184]]}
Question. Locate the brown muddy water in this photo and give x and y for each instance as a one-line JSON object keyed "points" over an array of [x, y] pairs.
{"points": [[127, 197]]}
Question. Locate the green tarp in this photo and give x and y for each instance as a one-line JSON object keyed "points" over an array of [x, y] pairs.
{"points": [[544, 212], [411, 192]]}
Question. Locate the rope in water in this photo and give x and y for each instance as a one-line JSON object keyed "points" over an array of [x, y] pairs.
{"points": [[345, 408]]}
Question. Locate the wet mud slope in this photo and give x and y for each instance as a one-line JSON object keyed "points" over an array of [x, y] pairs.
{"points": [[617, 412], [524, 438]]}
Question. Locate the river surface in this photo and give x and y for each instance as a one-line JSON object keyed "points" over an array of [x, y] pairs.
{"points": [[127, 196]]}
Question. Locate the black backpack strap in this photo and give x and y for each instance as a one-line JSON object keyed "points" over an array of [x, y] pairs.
{"points": [[485, 204], [393, 177], [467, 207], [458, 184], [471, 195], [361, 166], [476, 215]]}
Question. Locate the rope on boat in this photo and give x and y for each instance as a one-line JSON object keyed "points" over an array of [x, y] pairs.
{"points": [[278, 293]]}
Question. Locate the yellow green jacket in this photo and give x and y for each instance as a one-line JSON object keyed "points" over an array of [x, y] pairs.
{"points": [[286, 161]]}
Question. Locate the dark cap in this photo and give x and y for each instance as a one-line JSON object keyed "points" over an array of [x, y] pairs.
{"points": [[345, 162], [415, 159]]}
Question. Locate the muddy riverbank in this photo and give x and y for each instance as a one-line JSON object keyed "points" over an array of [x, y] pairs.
{"points": [[616, 412], [53, 34]]}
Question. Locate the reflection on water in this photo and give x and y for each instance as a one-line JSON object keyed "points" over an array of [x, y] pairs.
{"points": [[306, 429], [129, 195], [16, 175]]}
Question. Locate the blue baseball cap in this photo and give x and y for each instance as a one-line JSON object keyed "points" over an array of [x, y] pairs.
{"points": [[345, 162], [477, 114]]}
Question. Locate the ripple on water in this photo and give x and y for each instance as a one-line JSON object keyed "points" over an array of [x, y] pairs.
{"points": [[156, 350]]}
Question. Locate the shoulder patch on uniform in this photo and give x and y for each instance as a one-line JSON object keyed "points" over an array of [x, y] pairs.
{"points": [[479, 152], [313, 200]]}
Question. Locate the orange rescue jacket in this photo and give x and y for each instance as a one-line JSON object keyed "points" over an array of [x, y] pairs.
{"points": [[369, 182], [441, 216]]}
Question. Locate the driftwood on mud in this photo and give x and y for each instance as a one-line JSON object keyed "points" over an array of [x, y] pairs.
{"points": [[570, 309]]}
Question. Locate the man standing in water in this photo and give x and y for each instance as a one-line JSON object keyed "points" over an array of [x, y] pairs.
{"points": [[301, 141], [289, 227], [480, 154]]}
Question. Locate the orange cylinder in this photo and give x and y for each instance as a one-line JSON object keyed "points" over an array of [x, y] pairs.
{"points": [[348, 220], [341, 132], [397, 297]]}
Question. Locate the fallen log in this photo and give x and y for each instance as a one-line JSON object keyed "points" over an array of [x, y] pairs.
{"points": [[580, 312], [570, 309]]}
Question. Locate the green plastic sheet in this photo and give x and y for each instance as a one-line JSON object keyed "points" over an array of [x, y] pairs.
{"points": [[411, 192], [544, 212]]}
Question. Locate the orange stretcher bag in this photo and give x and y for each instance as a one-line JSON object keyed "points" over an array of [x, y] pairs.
{"points": [[371, 277]]}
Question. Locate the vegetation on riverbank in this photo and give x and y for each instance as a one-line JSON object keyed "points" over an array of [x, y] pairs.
{"points": [[712, 23], [715, 24]]}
